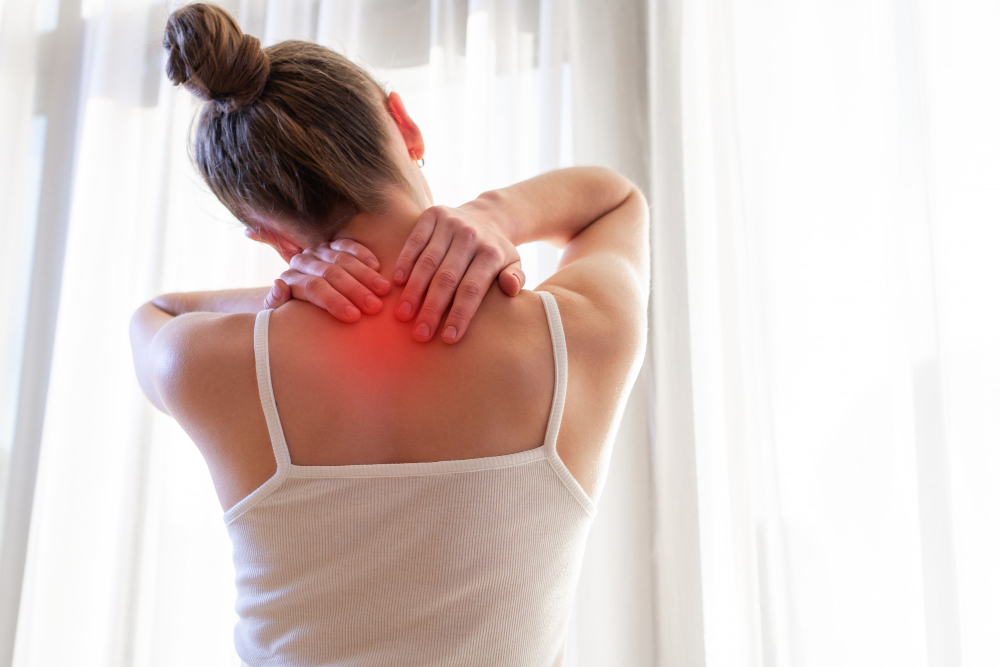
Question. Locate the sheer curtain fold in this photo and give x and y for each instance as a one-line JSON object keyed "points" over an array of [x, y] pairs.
{"points": [[822, 263], [22, 141], [43, 137]]}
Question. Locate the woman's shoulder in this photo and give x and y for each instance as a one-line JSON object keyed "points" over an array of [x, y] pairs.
{"points": [[196, 352], [204, 372], [604, 352], [610, 341], [206, 376]]}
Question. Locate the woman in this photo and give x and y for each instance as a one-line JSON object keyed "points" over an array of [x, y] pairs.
{"points": [[393, 498]]}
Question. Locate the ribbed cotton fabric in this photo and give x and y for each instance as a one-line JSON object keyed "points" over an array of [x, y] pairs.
{"points": [[470, 562]]}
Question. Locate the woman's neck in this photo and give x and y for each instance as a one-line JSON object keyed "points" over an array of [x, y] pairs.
{"points": [[385, 234]]}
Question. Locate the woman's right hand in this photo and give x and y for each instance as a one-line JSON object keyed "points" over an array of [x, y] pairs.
{"points": [[340, 277]]}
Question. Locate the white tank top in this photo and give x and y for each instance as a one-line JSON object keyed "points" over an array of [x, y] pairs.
{"points": [[470, 562]]}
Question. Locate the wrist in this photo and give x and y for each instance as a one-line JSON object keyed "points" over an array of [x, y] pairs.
{"points": [[247, 300], [497, 206]]}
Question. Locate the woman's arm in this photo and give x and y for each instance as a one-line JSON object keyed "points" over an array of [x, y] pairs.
{"points": [[249, 300], [151, 317], [555, 207]]}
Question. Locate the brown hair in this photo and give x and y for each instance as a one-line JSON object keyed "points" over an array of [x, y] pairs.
{"points": [[294, 129]]}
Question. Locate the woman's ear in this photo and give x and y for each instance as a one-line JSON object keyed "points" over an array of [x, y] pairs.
{"points": [[411, 133], [287, 249]]}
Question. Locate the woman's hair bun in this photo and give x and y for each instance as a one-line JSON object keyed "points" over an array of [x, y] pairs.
{"points": [[209, 55]]}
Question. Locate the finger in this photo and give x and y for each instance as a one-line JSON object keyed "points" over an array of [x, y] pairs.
{"points": [[511, 279], [365, 275], [468, 297], [421, 235], [351, 246], [318, 292], [279, 294], [423, 271], [446, 280], [339, 279]]}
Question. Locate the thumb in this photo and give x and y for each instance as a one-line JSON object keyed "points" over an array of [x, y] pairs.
{"points": [[278, 295], [511, 279]]}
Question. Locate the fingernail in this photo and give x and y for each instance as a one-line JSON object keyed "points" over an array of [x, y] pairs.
{"points": [[352, 312], [404, 309], [372, 263], [399, 275], [450, 333], [371, 302], [382, 284], [422, 330]]}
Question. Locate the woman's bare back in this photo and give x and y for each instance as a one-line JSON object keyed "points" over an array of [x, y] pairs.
{"points": [[367, 393]]}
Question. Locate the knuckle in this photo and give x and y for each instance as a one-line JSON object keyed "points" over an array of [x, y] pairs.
{"points": [[459, 314], [430, 313], [311, 288], [468, 290], [491, 254], [358, 293], [470, 235], [418, 238], [446, 278], [331, 272], [340, 259], [427, 263]]}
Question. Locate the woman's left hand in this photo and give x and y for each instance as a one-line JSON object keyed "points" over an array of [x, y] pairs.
{"points": [[448, 263]]}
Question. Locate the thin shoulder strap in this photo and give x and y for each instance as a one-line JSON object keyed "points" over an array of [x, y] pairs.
{"points": [[559, 403], [562, 370], [263, 359]]}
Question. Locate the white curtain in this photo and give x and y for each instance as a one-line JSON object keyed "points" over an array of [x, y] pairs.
{"points": [[831, 179], [804, 475]]}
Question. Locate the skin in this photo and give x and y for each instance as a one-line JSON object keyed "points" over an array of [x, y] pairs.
{"points": [[445, 261], [364, 389]]}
